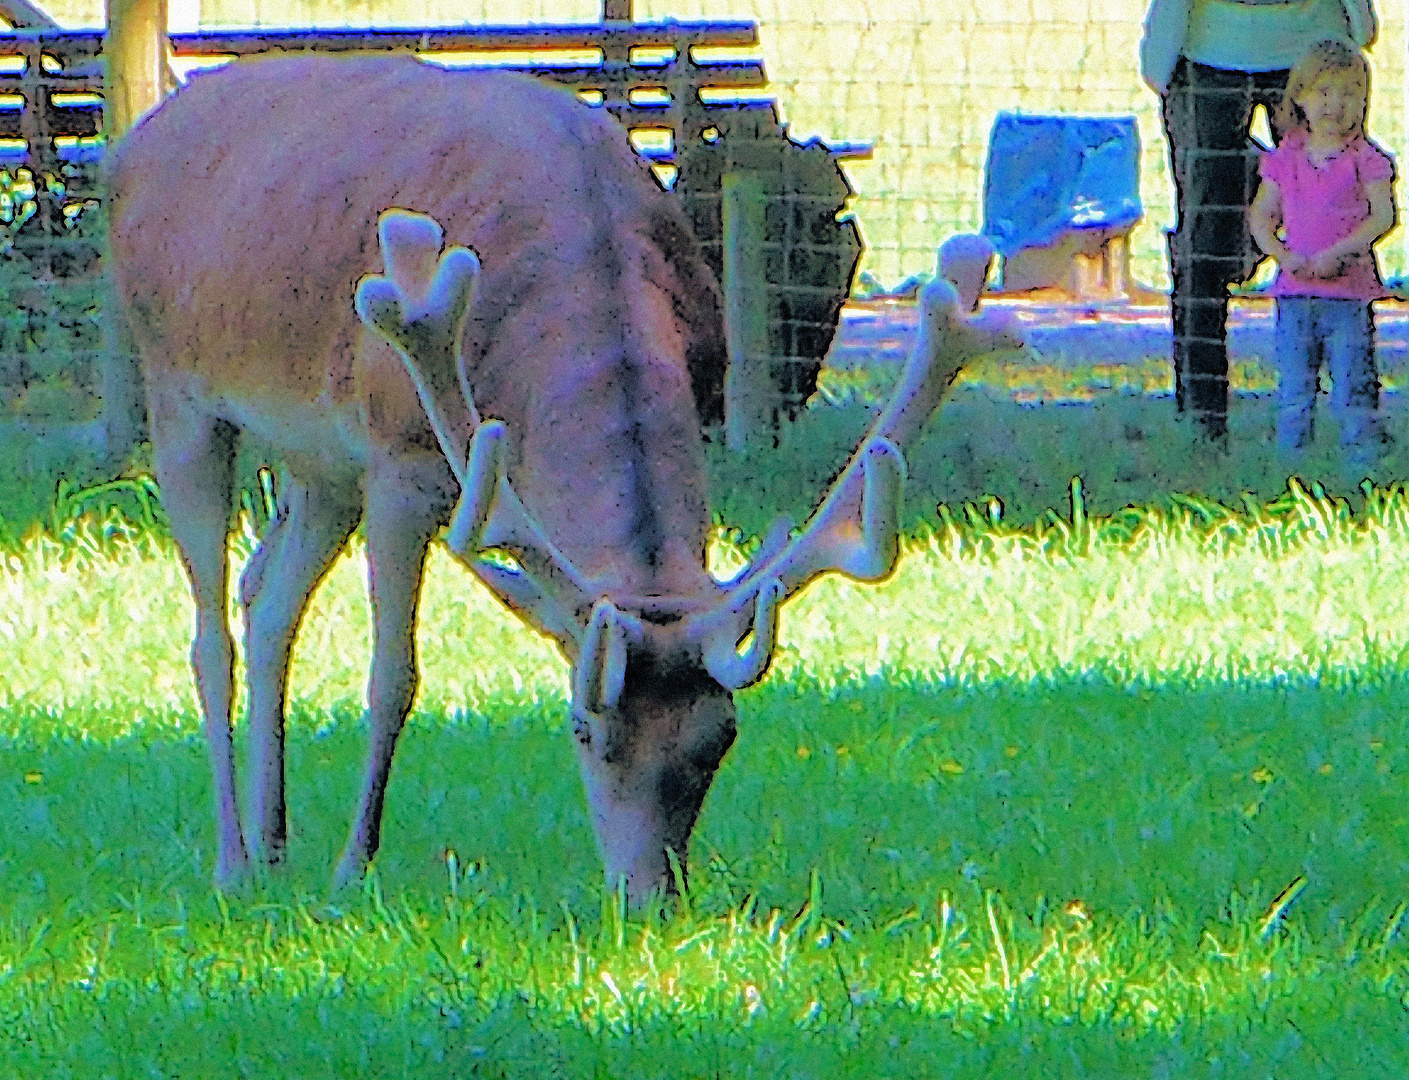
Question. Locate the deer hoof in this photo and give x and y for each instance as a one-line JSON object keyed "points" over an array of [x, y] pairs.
{"points": [[351, 869], [232, 873]]}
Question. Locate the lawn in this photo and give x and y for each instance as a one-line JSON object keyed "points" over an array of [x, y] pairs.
{"points": [[1107, 796]]}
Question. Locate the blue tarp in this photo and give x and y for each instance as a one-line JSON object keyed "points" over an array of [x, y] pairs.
{"points": [[1048, 174]]}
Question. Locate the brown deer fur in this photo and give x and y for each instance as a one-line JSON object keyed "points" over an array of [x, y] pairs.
{"points": [[560, 369], [244, 211]]}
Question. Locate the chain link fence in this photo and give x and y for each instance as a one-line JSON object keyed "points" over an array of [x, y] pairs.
{"points": [[920, 79]]}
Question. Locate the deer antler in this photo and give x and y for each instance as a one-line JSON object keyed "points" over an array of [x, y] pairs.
{"points": [[552, 592], [420, 307], [600, 673], [856, 528]]}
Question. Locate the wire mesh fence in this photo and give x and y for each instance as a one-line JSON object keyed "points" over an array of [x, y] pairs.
{"points": [[924, 80], [920, 79]]}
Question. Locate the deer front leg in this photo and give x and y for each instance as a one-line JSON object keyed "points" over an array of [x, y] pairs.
{"points": [[194, 459], [313, 523], [407, 502]]}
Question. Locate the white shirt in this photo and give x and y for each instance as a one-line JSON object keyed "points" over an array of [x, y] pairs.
{"points": [[1246, 35]]}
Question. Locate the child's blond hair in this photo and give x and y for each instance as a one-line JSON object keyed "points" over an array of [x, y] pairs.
{"points": [[1323, 58]]}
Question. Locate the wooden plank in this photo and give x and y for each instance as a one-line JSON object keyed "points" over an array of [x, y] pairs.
{"points": [[25, 14], [58, 84], [681, 35], [70, 45], [596, 78], [62, 122], [676, 73]]}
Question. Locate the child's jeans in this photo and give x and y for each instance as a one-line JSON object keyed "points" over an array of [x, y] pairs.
{"points": [[1312, 328]]}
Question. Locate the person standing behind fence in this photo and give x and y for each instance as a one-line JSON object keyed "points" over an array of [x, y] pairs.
{"points": [[1212, 62], [1330, 189]]}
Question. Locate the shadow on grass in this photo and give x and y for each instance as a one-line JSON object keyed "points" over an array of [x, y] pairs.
{"points": [[1186, 806], [1124, 799], [1316, 1035], [1127, 449]]}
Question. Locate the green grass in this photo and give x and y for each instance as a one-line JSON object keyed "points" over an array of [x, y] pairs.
{"points": [[1014, 432], [1023, 811], [1297, 587], [141, 971], [1128, 448]]}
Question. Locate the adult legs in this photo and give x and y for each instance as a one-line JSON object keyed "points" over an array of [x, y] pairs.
{"points": [[406, 503], [1207, 114], [314, 520], [194, 457]]}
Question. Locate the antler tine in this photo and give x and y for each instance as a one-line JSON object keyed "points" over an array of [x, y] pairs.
{"points": [[856, 528], [600, 673], [420, 307], [774, 540], [720, 650], [552, 591], [944, 343]]}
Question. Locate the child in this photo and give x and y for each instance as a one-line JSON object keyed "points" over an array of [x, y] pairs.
{"points": [[1327, 187]]}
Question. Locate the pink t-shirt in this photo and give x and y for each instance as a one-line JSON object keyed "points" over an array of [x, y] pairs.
{"points": [[1325, 203]]}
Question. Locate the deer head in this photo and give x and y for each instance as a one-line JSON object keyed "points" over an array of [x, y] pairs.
{"points": [[652, 677]]}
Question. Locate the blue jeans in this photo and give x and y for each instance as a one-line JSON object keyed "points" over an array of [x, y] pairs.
{"points": [[1342, 332]]}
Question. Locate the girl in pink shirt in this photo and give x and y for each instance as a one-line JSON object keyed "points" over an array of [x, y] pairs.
{"points": [[1327, 190]]}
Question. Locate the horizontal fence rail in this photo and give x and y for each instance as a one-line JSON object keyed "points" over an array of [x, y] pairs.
{"points": [[650, 75], [694, 105]]}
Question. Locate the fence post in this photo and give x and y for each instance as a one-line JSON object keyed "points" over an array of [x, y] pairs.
{"points": [[135, 47], [750, 396]]}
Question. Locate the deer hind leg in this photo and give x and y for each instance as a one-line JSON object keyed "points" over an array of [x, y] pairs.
{"points": [[407, 503], [312, 525], [194, 456]]}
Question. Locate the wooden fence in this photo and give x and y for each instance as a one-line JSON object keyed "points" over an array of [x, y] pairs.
{"points": [[696, 116]]}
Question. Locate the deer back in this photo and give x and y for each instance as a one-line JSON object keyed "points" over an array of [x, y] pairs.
{"points": [[244, 211]]}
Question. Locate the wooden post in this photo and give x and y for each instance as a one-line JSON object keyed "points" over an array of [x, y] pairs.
{"points": [[750, 394], [616, 11], [135, 48], [25, 15]]}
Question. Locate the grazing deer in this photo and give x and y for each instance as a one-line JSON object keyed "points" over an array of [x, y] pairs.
{"points": [[540, 385]]}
